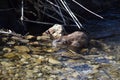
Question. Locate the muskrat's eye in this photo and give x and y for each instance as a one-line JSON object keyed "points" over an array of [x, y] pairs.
{"points": [[64, 42]]}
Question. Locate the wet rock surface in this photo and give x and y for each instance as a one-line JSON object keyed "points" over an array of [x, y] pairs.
{"points": [[56, 31], [36, 59]]}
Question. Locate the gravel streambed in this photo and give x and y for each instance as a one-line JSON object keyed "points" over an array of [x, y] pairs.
{"points": [[33, 58]]}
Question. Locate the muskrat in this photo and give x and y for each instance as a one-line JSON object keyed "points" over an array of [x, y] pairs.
{"points": [[76, 39]]}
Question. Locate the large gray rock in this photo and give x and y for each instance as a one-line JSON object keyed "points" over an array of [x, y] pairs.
{"points": [[55, 31]]}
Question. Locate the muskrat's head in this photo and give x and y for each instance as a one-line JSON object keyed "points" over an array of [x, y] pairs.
{"points": [[59, 42]]}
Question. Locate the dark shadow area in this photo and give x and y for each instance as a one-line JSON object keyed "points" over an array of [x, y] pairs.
{"points": [[36, 22]]}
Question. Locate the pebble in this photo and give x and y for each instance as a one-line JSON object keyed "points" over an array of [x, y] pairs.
{"points": [[10, 55], [20, 39], [22, 48], [6, 64], [93, 50], [45, 38], [35, 43], [39, 61], [53, 61], [84, 51], [4, 39], [39, 38], [29, 73], [29, 37], [11, 43], [25, 55], [7, 50], [39, 74]]}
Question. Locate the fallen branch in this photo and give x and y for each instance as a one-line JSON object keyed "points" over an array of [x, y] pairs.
{"points": [[88, 9]]}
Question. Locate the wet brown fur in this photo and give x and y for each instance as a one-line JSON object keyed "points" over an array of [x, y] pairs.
{"points": [[76, 39]]}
